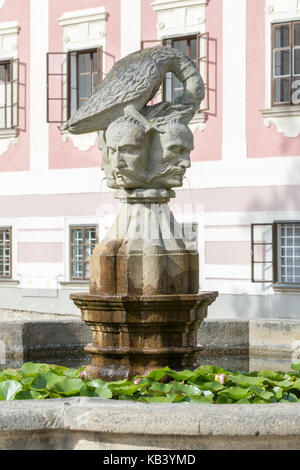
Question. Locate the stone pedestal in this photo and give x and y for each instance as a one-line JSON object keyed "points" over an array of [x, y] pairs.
{"points": [[144, 307], [135, 335]]}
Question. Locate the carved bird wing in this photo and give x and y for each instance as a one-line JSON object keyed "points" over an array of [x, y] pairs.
{"points": [[130, 78]]}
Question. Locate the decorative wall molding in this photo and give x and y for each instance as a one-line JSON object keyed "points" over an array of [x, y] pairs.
{"points": [[286, 118], [5, 142], [175, 17], [83, 16], [167, 4], [84, 29], [83, 142], [9, 39]]}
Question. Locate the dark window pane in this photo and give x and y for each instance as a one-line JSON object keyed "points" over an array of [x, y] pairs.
{"points": [[296, 61], [282, 90], [2, 72], [8, 78], [95, 81], [5, 72], [193, 44], [95, 62], [84, 64], [181, 46], [282, 63], [282, 36], [84, 86], [297, 34], [73, 84]]}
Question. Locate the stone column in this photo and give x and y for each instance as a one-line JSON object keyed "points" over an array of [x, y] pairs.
{"points": [[144, 308]]}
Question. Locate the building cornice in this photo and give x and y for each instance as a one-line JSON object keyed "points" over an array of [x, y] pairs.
{"points": [[10, 27], [83, 16], [159, 5]]}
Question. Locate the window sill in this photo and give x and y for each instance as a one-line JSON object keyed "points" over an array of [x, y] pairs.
{"points": [[281, 111], [8, 133], [74, 284], [286, 288], [286, 119], [8, 282]]}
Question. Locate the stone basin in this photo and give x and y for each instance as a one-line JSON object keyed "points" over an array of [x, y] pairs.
{"points": [[97, 424], [91, 423]]}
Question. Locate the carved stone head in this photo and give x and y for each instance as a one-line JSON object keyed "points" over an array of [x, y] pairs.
{"points": [[172, 156], [132, 158], [125, 156]]}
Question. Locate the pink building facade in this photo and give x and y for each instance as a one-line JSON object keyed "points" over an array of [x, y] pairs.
{"points": [[242, 192]]}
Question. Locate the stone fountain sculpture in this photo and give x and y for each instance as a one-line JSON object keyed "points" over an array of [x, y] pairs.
{"points": [[144, 307]]}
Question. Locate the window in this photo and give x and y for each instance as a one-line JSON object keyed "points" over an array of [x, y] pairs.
{"points": [[286, 63], [83, 241], [71, 78], [5, 253], [276, 253], [84, 76], [9, 71], [173, 88], [196, 48]]}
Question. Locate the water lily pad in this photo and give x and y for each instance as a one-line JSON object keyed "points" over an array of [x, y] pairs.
{"points": [[68, 386], [100, 392], [30, 395], [45, 381], [9, 389], [235, 393]]}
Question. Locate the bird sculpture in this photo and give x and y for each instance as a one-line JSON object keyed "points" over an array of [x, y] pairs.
{"points": [[131, 83]]}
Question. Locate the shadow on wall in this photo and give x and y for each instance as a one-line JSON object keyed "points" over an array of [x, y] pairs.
{"points": [[213, 77], [22, 97]]}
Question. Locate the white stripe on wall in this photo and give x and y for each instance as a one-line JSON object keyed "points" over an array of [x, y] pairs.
{"points": [[234, 80], [251, 172], [39, 46], [130, 26], [228, 271], [39, 269]]}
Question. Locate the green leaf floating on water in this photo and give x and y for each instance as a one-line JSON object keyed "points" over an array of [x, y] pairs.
{"points": [[31, 395], [246, 381], [67, 386], [159, 373], [261, 393], [235, 393], [9, 389], [47, 381], [100, 392]]}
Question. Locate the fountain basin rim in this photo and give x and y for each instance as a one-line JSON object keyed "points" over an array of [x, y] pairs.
{"points": [[146, 298], [92, 422]]}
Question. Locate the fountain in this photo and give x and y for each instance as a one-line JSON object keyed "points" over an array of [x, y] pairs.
{"points": [[144, 306]]}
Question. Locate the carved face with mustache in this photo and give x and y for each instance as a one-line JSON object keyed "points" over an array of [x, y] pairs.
{"points": [[125, 164], [171, 162], [132, 158]]}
